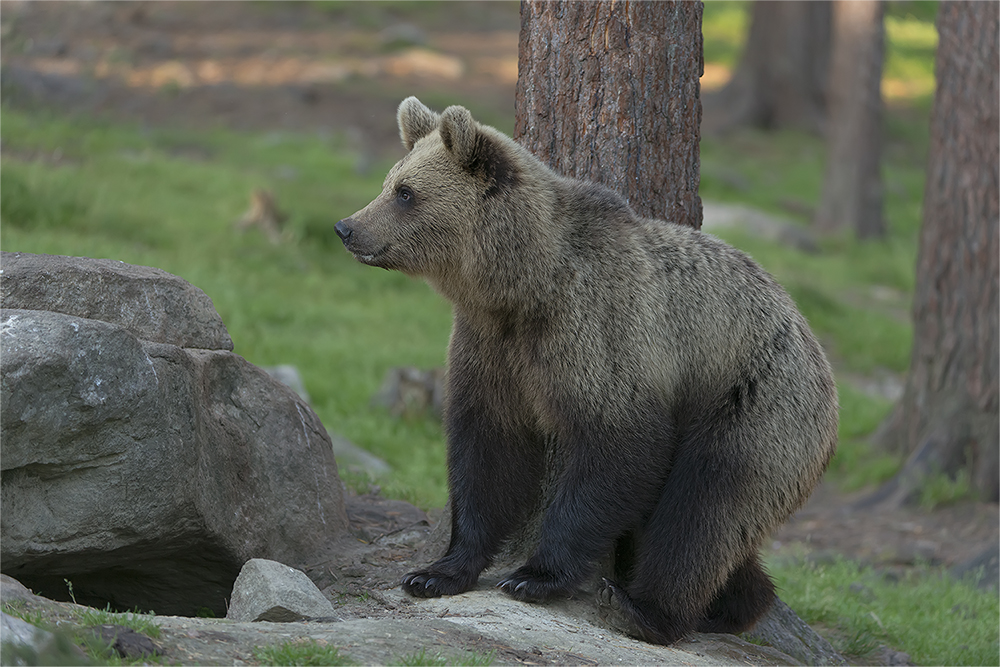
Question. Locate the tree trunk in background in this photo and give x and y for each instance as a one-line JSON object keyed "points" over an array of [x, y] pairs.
{"points": [[947, 420], [781, 79], [852, 187], [609, 92]]}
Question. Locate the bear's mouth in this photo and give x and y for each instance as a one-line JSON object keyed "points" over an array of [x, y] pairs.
{"points": [[372, 259]]}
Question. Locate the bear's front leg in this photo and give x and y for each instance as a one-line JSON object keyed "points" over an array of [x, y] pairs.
{"points": [[494, 477], [610, 484]]}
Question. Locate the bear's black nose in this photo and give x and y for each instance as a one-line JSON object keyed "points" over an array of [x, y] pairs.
{"points": [[343, 229]]}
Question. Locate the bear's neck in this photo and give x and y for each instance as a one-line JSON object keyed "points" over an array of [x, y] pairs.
{"points": [[507, 288]]}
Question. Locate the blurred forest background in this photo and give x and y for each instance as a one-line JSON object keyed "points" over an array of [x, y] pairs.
{"points": [[222, 141]]}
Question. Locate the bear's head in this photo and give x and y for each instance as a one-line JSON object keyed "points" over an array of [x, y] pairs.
{"points": [[450, 209]]}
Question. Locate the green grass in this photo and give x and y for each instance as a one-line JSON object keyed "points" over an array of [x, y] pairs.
{"points": [[934, 618], [939, 489], [304, 653], [73, 634], [856, 465], [138, 621]]}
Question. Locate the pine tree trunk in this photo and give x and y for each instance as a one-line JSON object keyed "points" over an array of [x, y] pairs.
{"points": [[947, 420], [852, 187], [609, 92], [781, 79]]}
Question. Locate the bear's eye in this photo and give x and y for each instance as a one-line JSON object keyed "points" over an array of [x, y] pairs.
{"points": [[405, 196]]}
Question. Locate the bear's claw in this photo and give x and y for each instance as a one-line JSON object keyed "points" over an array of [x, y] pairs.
{"points": [[609, 595], [530, 585], [430, 584]]}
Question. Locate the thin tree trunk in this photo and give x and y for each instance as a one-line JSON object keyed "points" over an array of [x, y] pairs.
{"points": [[780, 81], [948, 417], [852, 188], [609, 92]]}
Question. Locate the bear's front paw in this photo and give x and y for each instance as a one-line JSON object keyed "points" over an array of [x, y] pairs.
{"points": [[432, 583], [531, 584]]}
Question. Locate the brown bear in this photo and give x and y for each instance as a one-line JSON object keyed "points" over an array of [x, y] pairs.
{"points": [[692, 405]]}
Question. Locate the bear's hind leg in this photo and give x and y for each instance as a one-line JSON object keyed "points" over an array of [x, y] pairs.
{"points": [[647, 623], [611, 481], [746, 596], [697, 565]]}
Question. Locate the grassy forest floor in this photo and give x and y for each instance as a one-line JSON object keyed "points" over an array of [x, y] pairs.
{"points": [[137, 131]]}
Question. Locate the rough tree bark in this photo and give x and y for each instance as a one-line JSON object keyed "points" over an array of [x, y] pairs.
{"points": [[781, 79], [852, 187], [947, 420], [609, 92]]}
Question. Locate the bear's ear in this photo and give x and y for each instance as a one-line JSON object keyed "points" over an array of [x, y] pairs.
{"points": [[458, 132], [415, 121]]}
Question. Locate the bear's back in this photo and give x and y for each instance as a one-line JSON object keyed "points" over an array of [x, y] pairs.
{"points": [[634, 289]]}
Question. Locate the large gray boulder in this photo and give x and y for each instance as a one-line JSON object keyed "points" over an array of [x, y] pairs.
{"points": [[143, 461]]}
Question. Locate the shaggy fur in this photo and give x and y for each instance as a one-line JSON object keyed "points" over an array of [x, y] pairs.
{"points": [[695, 406]]}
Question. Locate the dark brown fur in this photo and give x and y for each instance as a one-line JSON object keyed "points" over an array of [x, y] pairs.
{"points": [[695, 406]]}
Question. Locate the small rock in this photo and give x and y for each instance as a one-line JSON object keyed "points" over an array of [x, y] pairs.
{"points": [[892, 575], [912, 553], [889, 656], [25, 644], [964, 611], [288, 375], [355, 459], [47, 48], [781, 628], [11, 589], [270, 591], [726, 216], [402, 35], [23, 633], [862, 591], [126, 642], [407, 391]]}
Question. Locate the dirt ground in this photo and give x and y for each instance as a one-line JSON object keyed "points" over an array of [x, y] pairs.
{"points": [[270, 66]]}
